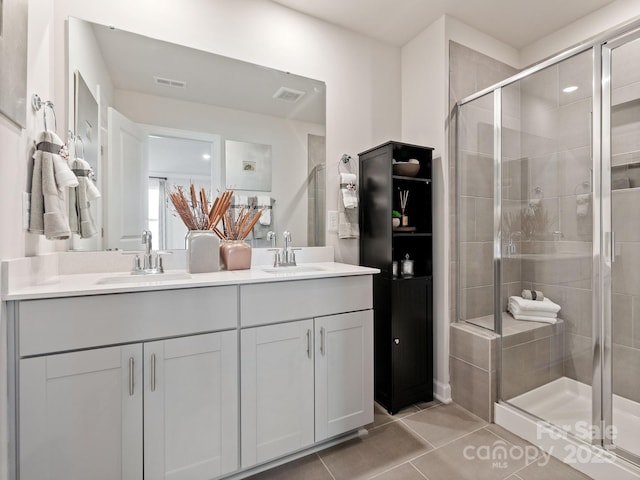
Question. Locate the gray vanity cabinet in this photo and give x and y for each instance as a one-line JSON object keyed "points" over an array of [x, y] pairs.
{"points": [[83, 414], [79, 416], [304, 380]]}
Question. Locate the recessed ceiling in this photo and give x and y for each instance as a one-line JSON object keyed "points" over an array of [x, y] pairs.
{"points": [[515, 22]]}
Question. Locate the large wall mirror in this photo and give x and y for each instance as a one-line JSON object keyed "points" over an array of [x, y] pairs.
{"points": [[170, 115]]}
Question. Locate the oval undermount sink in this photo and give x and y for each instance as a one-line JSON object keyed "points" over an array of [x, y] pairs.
{"points": [[154, 278], [296, 269]]}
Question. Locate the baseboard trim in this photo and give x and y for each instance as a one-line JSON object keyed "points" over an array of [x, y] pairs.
{"points": [[442, 391]]}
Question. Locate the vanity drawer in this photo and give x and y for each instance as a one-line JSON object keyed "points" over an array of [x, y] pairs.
{"points": [[265, 303], [61, 324]]}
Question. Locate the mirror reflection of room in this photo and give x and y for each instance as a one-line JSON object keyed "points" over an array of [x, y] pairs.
{"points": [[159, 115]]}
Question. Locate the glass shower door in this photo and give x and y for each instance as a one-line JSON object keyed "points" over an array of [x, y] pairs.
{"points": [[547, 244], [621, 253]]}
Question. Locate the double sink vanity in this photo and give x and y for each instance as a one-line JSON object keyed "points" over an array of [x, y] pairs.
{"points": [[183, 376]]}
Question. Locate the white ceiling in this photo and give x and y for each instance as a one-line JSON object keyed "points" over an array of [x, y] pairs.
{"points": [[211, 79], [515, 22]]}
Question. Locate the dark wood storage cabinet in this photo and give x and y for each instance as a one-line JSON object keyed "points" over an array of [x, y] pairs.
{"points": [[403, 310]]}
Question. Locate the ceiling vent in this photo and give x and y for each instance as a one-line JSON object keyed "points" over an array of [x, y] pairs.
{"points": [[288, 95], [167, 82]]}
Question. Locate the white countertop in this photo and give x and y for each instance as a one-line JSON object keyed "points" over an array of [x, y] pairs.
{"points": [[89, 283]]}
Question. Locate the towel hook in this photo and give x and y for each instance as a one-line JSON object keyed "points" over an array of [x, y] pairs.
{"points": [[345, 161], [44, 114], [77, 138], [37, 103]]}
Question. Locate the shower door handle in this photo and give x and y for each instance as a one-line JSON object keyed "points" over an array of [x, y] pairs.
{"points": [[611, 237], [613, 247]]}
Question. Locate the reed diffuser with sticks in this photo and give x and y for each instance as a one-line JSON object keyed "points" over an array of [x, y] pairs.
{"points": [[404, 196]]}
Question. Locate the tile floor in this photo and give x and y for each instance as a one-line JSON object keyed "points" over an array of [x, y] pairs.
{"points": [[427, 441]]}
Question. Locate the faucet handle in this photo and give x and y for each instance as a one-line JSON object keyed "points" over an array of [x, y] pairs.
{"points": [[292, 256], [159, 257], [287, 236], [276, 256], [271, 235]]}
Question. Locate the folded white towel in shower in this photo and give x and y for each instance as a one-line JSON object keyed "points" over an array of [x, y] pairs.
{"points": [[348, 189], [528, 307], [533, 318], [515, 309]]}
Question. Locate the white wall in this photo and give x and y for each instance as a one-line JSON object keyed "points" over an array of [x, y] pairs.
{"points": [[423, 115]]}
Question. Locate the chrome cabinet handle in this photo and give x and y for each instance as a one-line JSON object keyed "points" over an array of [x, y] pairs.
{"points": [[309, 343], [153, 372], [131, 376], [322, 347]]}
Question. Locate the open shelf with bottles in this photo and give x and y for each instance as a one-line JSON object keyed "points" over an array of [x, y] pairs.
{"points": [[402, 304]]}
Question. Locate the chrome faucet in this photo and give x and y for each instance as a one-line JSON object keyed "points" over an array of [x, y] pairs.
{"points": [[286, 237], [285, 257], [288, 254], [147, 241], [151, 261]]}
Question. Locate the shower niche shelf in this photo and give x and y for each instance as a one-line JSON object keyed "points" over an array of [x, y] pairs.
{"points": [[403, 368]]}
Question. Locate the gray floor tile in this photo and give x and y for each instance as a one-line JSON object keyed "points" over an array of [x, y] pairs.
{"points": [[380, 415], [516, 440], [404, 472], [307, 468], [443, 423], [383, 448], [477, 456], [425, 405], [550, 470]]}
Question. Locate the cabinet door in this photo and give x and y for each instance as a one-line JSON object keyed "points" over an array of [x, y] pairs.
{"points": [[277, 390], [81, 415], [191, 407], [344, 373]]}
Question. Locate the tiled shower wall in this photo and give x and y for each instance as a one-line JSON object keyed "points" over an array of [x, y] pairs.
{"points": [[472, 360], [470, 72]]}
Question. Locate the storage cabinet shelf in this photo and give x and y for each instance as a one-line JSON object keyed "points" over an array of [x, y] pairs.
{"points": [[411, 179], [411, 234], [403, 363]]}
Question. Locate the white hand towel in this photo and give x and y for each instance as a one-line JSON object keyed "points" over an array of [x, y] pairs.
{"points": [[535, 306], [80, 217], [348, 182], [265, 201], [348, 226], [51, 176]]}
